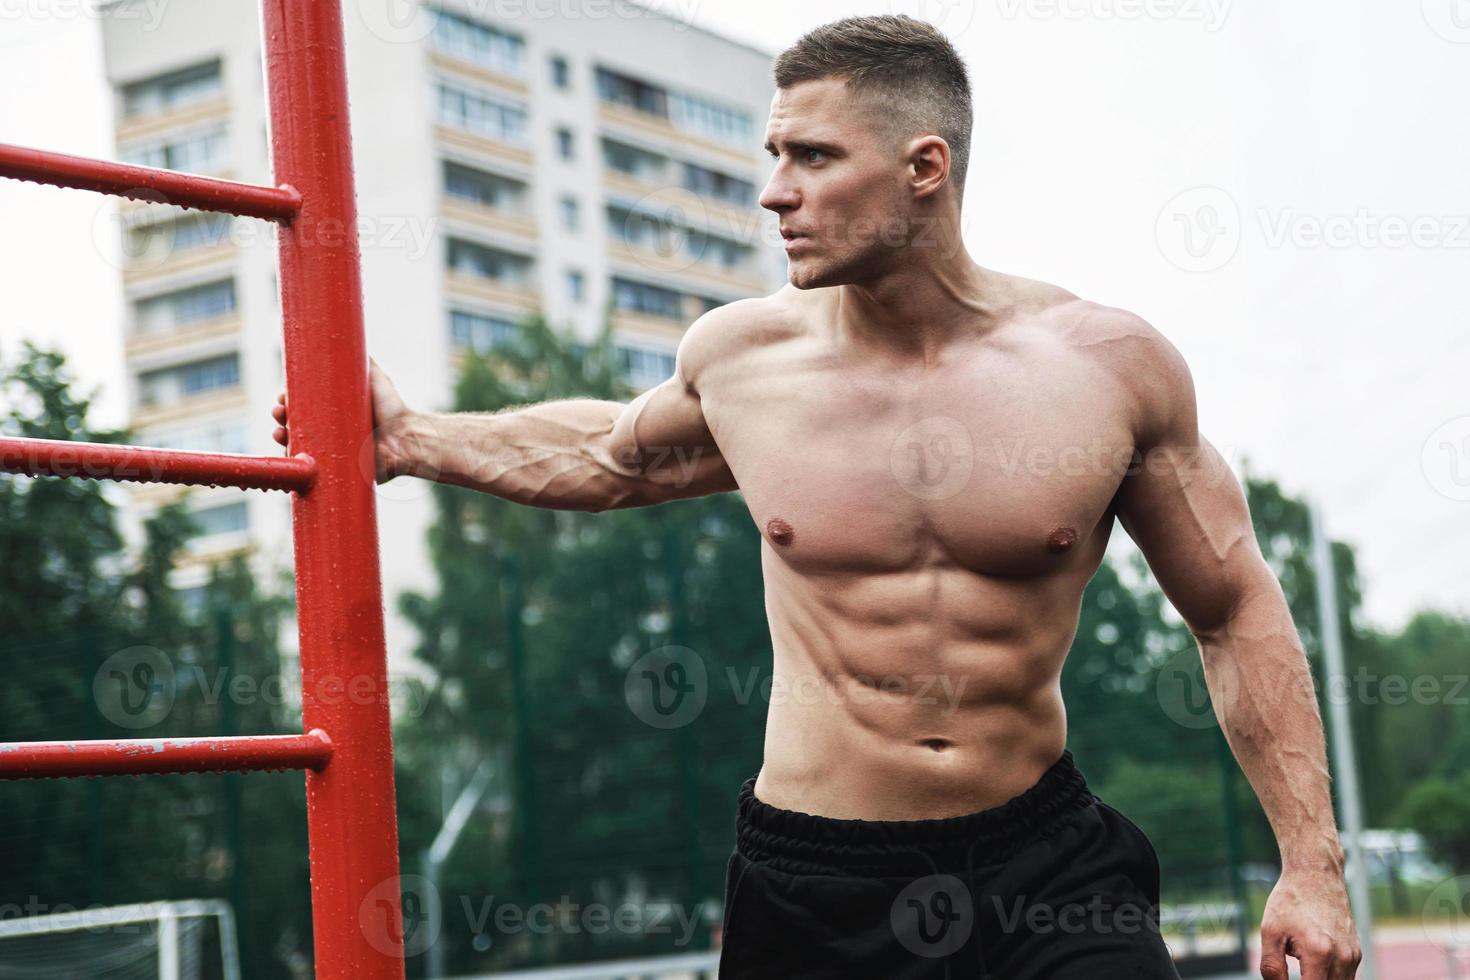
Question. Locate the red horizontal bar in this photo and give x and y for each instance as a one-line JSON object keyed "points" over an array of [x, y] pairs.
{"points": [[135, 756], [140, 464], [149, 183]]}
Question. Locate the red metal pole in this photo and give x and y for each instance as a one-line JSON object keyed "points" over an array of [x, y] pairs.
{"points": [[132, 756], [148, 183], [352, 821], [140, 464]]}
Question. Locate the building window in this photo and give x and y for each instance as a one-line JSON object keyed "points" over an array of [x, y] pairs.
{"points": [[485, 189], [481, 334], [716, 249], [570, 214], [561, 73], [644, 229], [565, 143], [180, 235], [201, 152], [696, 115], [479, 43], [712, 183], [480, 114], [220, 436], [178, 88], [576, 285], [168, 386], [630, 160], [644, 367], [638, 297], [628, 91], [224, 519], [483, 262], [170, 311]]}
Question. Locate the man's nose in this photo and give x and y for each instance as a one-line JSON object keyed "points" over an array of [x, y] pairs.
{"points": [[779, 195]]}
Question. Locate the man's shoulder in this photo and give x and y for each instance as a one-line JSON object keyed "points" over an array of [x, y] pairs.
{"points": [[1135, 353], [740, 326]]}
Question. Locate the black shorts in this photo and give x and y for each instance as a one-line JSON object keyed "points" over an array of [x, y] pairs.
{"points": [[1051, 885]]}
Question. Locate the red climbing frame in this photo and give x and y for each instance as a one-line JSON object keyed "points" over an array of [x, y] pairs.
{"points": [[346, 748]]}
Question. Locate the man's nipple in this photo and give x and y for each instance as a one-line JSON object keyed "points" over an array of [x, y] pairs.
{"points": [[1061, 540], [779, 531]]}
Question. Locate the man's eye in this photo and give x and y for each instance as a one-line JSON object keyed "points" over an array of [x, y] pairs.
{"points": [[811, 153]]}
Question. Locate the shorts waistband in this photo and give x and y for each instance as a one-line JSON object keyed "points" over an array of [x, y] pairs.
{"points": [[797, 842]]}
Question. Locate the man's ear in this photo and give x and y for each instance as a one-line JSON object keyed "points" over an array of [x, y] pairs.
{"points": [[929, 161]]}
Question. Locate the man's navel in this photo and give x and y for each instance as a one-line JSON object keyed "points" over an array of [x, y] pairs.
{"points": [[780, 531]]}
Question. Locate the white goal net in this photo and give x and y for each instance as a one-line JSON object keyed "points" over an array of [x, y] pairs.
{"points": [[192, 940]]}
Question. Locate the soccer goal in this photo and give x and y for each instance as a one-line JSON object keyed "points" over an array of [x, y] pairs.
{"points": [[193, 940]]}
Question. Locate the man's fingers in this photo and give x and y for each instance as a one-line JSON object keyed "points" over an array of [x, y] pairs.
{"points": [[1273, 957], [280, 435]]}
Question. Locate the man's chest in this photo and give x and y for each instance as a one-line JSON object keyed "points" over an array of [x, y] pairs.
{"points": [[993, 467]]}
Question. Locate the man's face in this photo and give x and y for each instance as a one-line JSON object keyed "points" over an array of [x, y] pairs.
{"points": [[837, 187]]}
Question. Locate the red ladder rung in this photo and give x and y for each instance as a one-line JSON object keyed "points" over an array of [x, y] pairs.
{"points": [[141, 464], [138, 756], [149, 183]]}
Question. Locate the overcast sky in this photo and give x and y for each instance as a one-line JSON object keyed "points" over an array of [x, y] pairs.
{"points": [[1279, 188]]}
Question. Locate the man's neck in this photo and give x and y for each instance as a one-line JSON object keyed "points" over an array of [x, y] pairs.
{"points": [[916, 309]]}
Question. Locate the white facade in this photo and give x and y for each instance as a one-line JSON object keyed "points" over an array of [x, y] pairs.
{"points": [[504, 152]]}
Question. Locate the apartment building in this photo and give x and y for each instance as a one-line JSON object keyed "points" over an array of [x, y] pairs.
{"points": [[577, 159]]}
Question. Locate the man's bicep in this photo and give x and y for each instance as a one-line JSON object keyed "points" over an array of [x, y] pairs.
{"points": [[1186, 511], [663, 436]]}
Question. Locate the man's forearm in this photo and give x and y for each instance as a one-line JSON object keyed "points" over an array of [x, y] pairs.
{"points": [[1262, 692], [552, 455]]}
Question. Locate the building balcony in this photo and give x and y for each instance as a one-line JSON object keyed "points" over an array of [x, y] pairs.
{"points": [[688, 269], [487, 218], [193, 406], [627, 322], [468, 70], [666, 135], [483, 146], [158, 263], [141, 345], [518, 297], [161, 121]]}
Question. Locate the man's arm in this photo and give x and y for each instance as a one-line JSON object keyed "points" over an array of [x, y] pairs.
{"points": [[1183, 506], [573, 454]]}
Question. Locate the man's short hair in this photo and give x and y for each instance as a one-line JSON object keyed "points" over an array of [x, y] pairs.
{"points": [[909, 75]]}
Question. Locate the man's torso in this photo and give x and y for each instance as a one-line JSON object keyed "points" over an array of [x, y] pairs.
{"points": [[928, 530]]}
